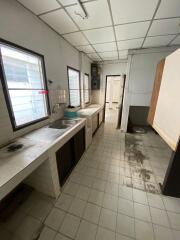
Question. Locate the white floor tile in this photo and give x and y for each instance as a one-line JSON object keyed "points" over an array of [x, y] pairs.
{"points": [[125, 192], [176, 234], [77, 207], [5, 235], [142, 212], [64, 201], [162, 233], [99, 184], [55, 218], [112, 177], [59, 236], [86, 231], [125, 225], [122, 237], [110, 202], [112, 188], [83, 193], [70, 225], [92, 213], [87, 181], [14, 221], [174, 220], [159, 217], [144, 230], [104, 234], [96, 197], [41, 209], [172, 204], [140, 196], [71, 188], [126, 207], [28, 229], [155, 200], [47, 234], [108, 219]]}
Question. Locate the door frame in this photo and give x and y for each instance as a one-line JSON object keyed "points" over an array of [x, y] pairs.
{"points": [[112, 75]]}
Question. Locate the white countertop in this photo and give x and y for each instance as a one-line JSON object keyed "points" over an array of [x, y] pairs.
{"points": [[35, 150], [90, 110]]}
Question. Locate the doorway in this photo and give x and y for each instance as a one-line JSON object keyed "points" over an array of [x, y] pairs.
{"points": [[114, 91]]}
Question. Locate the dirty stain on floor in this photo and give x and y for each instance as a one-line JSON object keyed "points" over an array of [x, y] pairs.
{"points": [[139, 162]]}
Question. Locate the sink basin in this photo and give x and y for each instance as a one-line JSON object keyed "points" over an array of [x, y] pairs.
{"points": [[63, 123]]}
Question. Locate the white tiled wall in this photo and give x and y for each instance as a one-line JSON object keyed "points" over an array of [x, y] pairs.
{"points": [[57, 52]]}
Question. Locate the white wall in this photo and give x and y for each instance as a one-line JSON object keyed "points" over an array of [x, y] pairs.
{"points": [[142, 74], [141, 70], [114, 68], [20, 26], [85, 67]]}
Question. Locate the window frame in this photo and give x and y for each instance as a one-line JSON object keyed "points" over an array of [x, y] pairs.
{"points": [[74, 69], [89, 89], [6, 91]]}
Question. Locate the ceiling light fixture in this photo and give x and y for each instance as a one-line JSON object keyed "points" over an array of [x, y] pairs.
{"points": [[81, 10]]}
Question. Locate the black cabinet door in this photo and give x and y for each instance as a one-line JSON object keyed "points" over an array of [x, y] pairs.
{"points": [[65, 161], [79, 145]]}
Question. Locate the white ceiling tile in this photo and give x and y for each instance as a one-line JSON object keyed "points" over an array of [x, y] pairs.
{"points": [[165, 26], [59, 21], [123, 54], [125, 11], [105, 47], [76, 39], [98, 15], [130, 44], [112, 54], [94, 56], [176, 41], [86, 49], [158, 41], [100, 35], [109, 58], [69, 2], [40, 6], [133, 30], [168, 8]]}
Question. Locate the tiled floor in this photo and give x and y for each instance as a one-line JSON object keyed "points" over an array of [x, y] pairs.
{"points": [[112, 194]]}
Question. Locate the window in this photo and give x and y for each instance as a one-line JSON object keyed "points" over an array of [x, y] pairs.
{"points": [[24, 85], [74, 87], [86, 88]]}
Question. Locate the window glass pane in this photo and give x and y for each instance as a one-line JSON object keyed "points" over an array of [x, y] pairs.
{"points": [[74, 98], [28, 105], [74, 87], [73, 79], [25, 85], [86, 81], [86, 96], [22, 70]]}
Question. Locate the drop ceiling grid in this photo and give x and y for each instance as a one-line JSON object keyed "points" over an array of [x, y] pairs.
{"points": [[160, 13], [78, 27], [114, 31]]}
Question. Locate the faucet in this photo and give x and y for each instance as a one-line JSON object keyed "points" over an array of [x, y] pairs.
{"points": [[54, 107]]}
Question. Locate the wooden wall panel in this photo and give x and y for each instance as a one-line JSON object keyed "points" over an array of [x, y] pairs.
{"points": [[167, 116], [155, 92]]}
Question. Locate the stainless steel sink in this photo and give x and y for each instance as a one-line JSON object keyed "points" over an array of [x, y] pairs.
{"points": [[63, 123]]}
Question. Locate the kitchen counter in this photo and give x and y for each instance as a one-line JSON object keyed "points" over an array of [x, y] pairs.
{"points": [[38, 146], [94, 117], [90, 110]]}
